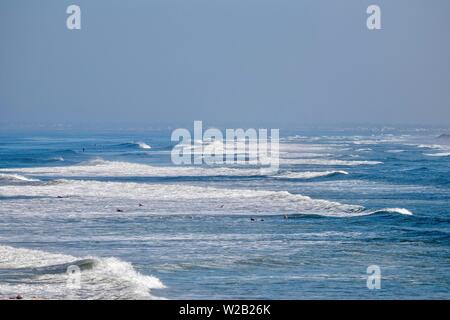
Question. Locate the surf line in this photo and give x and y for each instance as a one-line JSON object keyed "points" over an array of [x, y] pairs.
{"points": [[243, 147]]}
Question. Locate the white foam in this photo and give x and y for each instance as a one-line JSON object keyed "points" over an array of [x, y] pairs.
{"points": [[303, 155], [375, 140], [143, 145], [309, 174], [439, 154], [432, 146], [295, 137], [102, 168], [394, 210], [309, 147], [14, 177], [200, 147], [366, 142], [94, 198], [329, 162], [103, 197], [11, 257], [109, 278], [395, 151]]}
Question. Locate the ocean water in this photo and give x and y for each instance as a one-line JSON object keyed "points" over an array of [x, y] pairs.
{"points": [[140, 227]]}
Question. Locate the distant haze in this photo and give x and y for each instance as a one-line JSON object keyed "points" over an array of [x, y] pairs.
{"points": [[225, 61]]}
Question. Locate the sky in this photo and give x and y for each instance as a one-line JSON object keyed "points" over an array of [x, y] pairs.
{"points": [[286, 62]]}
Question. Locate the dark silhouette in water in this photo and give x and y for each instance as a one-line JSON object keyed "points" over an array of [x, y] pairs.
{"points": [[141, 205], [119, 210]]}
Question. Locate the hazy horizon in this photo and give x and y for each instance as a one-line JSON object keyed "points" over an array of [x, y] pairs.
{"points": [[286, 63]]}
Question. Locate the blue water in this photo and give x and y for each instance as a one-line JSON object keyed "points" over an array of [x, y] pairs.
{"points": [[155, 230]]}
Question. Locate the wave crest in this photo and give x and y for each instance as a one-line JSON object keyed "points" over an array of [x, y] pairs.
{"points": [[393, 210], [104, 198], [439, 154], [100, 278], [138, 144], [310, 174], [14, 177]]}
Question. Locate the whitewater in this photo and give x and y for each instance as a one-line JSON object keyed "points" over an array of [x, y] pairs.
{"points": [[140, 227]]}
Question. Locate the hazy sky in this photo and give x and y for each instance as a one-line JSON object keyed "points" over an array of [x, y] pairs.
{"points": [[225, 61]]}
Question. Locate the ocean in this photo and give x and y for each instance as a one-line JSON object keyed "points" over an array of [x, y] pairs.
{"points": [[140, 227]]}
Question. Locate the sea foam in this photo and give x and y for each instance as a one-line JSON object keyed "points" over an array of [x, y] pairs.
{"points": [[94, 198], [106, 278], [15, 177], [310, 174]]}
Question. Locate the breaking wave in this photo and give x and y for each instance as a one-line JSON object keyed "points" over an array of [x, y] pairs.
{"points": [[95, 198], [439, 154], [46, 276], [143, 145], [57, 159], [328, 162], [393, 210], [14, 177], [102, 168], [310, 174], [134, 145], [395, 151], [431, 146]]}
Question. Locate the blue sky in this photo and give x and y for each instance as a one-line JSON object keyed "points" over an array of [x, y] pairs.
{"points": [[225, 61]]}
